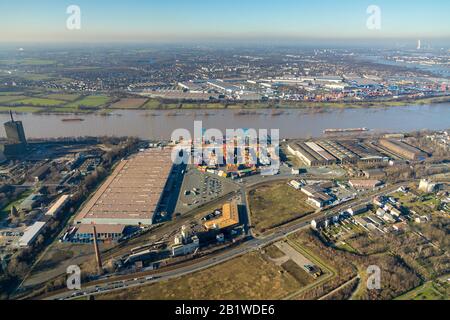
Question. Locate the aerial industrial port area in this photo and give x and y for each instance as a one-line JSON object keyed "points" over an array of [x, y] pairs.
{"points": [[216, 158], [136, 223], [306, 220]]}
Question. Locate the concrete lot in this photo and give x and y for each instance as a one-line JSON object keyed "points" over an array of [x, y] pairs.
{"points": [[293, 254], [199, 188]]}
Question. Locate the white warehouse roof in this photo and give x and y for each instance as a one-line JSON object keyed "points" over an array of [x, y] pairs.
{"points": [[31, 233]]}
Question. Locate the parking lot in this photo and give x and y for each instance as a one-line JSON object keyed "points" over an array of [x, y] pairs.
{"points": [[199, 188]]}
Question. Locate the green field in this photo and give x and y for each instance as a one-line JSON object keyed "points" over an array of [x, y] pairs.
{"points": [[8, 98], [276, 204], [22, 109], [76, 103], [11, 93], [156, 104], [62, 96], [34, 76], [27, 62], [53, 102], [42, 102], [90, 102]]}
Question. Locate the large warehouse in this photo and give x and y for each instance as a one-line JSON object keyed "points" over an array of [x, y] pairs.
{"points": [[326, 152], [132, 194], [403, 149], [311, 154]]}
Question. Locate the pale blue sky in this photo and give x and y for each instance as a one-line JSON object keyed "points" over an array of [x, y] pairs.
{"points": [[175, 20]]}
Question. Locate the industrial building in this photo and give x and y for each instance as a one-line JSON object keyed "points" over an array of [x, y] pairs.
{"points": [[193, 87], [15, 132], [133, 192], [374, 174], [338, 151], [355, 210], [327, 152], [84, 233], [365, 153], [311, 154], [12, 151], [186, 248], [31, 233], [365, 184], [320, 199], [426, 185], [295, 184], [229, 218], [316, 196], [320, 223], [185, 243], [310, 191], [17, 142], [403, 149], [326, 221], [57, 206], [223, 86]]}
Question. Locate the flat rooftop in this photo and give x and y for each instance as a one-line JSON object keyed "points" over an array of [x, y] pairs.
{"points": [[57, 205], [405, 146], [131, 195], [31, 233], [100, 228], [229, 217]]}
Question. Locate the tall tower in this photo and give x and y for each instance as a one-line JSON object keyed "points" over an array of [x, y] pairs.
{"points": [[97, 251], [419, 45], [14, 131]]}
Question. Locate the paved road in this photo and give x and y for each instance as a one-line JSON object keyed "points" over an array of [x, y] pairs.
{"points": [[253, 244], [135, 280]]}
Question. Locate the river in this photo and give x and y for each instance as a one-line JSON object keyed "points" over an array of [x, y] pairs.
{"points": [[292, 123]]}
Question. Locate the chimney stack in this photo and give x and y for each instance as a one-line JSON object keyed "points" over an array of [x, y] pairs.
{"points": [[97, 251]]}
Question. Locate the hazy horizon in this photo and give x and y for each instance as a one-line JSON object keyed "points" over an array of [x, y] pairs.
{"points": [[201, 21]]}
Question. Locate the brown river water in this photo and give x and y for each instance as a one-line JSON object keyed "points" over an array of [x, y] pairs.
{"points": [[291, 123]]}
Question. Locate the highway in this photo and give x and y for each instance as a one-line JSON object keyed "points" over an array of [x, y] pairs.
{"points": [[136, 280]]}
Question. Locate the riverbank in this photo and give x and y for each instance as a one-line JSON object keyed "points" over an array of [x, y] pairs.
{"points": [[104, 105], [298, 104]]}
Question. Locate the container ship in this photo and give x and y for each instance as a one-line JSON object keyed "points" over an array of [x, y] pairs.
{"points": [[345, 130]]}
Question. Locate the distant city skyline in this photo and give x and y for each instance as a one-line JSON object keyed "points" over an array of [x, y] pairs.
{"points": [[232, 20]]}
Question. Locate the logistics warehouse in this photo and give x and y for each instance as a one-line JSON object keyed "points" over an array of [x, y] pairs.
{"points": [[329, 152], [132, 194]]}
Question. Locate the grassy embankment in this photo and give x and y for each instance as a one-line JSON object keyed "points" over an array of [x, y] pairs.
{"points": [[38, 102]]}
